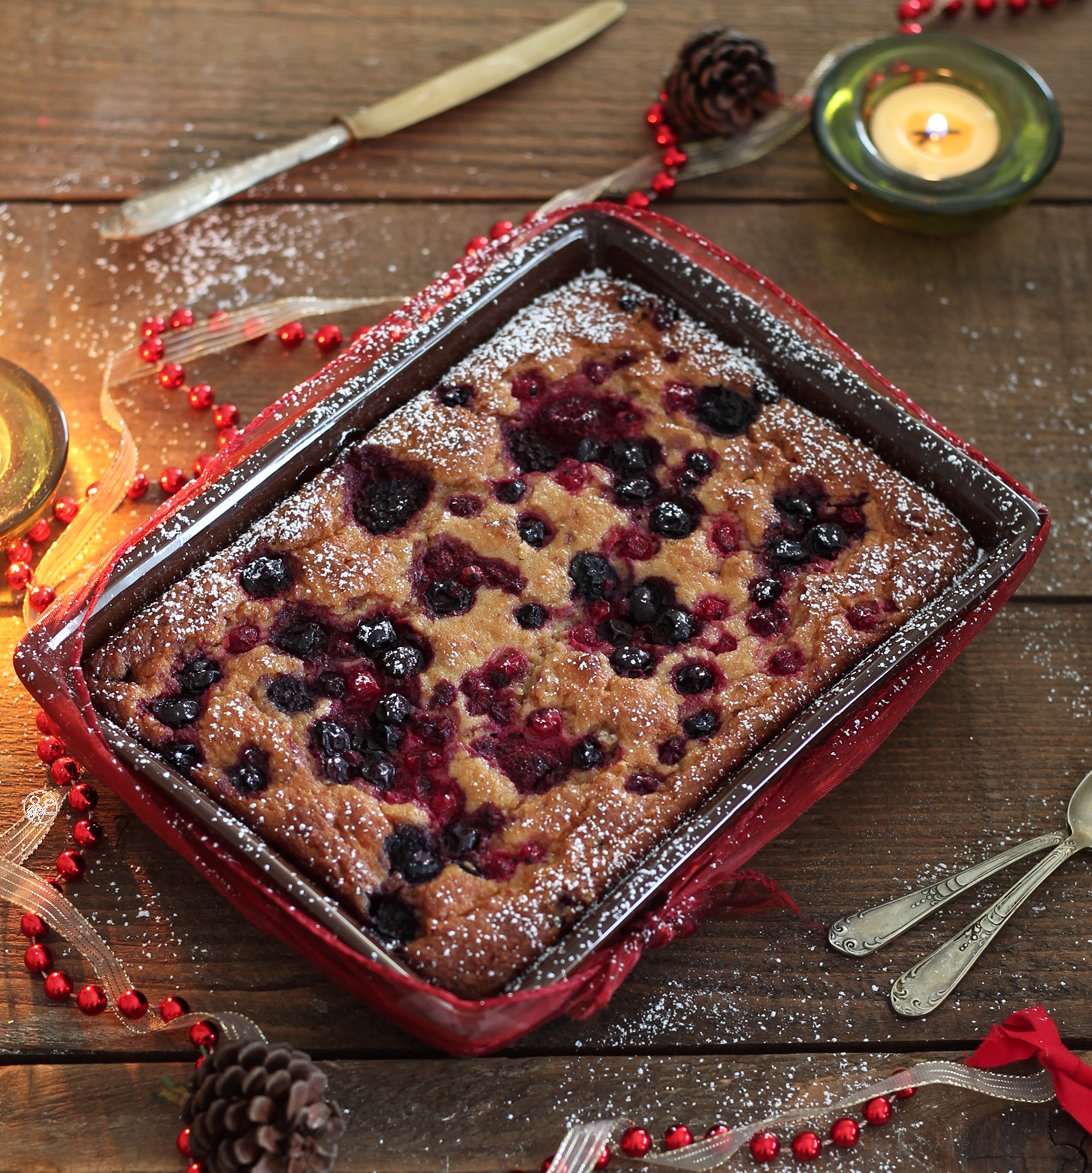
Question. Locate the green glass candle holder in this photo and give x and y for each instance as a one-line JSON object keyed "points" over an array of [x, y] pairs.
{"points": [[33, 450], [1028, 120]]}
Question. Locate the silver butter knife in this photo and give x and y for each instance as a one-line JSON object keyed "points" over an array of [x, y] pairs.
{"points": [[180, 201]]}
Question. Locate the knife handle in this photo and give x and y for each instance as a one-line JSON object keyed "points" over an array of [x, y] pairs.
{"points": [[180, 201]]}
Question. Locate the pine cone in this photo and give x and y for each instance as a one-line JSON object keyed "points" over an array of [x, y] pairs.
{"points": [[260, 1109], [721, 82]]}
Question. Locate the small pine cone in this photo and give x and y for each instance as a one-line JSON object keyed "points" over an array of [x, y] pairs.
{"points": [[721, 82], [259, 1109]]}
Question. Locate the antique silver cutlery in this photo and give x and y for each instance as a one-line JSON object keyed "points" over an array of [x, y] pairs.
{"points": [[172, 205], [922, 988]]}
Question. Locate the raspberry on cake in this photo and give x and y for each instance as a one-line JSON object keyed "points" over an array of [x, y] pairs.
{"points": [[466, 677]]}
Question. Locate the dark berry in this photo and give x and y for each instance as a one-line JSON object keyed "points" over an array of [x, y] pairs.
{"points": [[510, 491], [380, 771], [331, 684], [528, 384], [402, 661], [531, 451], [592, 576], [375, 635], [442, 695], [587, 754], [700, 463], [766, 391], [265, 577], [765, 592], [251, 775], [386, 504], [183, 755], [702, 724], [643, 782], [198, 675], [449, 598], [826, 539], [454, 394], [632, 662], [665, 313], [644, 604], [628, 302], [177, 712], [797, 509], [531, 616], [785, 662], [692, 679], [671, 520], [615, 631], [337, 769], [330, 738], [865, 616], [459, 838], [306, 640], [627, 457], [466, 505], [533, 530], [787, 552], [412, 853], [533, 769], [587, 449], [675, 626], [290, 695], [672, 751], [385, 738], [392, 917], [393, 709], [725, 411], [597, 372], [768, 621], [635, 491]]}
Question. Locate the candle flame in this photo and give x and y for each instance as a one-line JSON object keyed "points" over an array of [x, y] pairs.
{"points": [[936, 126]]}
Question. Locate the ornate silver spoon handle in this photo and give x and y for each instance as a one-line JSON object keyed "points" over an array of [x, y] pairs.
{"points": [[921, 989], [711, 155], [861, 933]]}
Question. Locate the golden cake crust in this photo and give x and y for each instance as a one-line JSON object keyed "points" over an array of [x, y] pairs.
{"points": [[471, 776]]}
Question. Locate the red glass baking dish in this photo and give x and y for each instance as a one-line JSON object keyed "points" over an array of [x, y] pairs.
{"points": [[410, 351]]}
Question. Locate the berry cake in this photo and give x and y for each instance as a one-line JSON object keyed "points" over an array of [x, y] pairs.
{"points": [[468, 675]]}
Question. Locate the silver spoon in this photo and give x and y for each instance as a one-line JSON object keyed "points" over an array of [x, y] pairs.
{"points": [[922, 988]]}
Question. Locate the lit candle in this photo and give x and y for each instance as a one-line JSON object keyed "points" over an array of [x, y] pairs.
{"points": [[934, 130]]}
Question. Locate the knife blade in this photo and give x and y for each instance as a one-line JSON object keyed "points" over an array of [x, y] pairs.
{"points": [[171, 205]]}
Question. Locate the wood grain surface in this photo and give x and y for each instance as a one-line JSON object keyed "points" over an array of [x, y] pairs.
{"points": [[988, 331]]}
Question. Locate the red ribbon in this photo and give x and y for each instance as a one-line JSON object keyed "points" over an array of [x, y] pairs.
{"points": [[1032, 1033]]}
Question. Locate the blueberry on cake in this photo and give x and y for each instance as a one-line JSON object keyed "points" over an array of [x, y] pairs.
{"points": [[468, 675]]}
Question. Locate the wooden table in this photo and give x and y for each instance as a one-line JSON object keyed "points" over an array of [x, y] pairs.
{"points": [[988, 331]]}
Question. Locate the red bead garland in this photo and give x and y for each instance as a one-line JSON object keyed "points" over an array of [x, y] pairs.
{"points": [[173, 1007], [18, 575], [204, 1034], [225, 415], [91, 1000], [38, 958], [87, 833], [64, 771], [41, 597], [181, 318], [603, 1160], [292, 334], [132, 1005], [172, 375], [40, 530], [71, 865], [764, 1147], [328, 337], [200, 396], [183, 1142], [58, 986], [150, 327], [32, 925], [806, 1146], [65, 509], [152, 350], [138, 486], [878, 1111], [19, 551], [845, 1132], [83, 797], [635, 1142], [678, 1136], [171, 479]]}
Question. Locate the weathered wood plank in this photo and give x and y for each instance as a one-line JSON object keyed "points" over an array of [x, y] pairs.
{"points": [[109, 99], [988, 757], [488, 1115], [986, 331]]}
